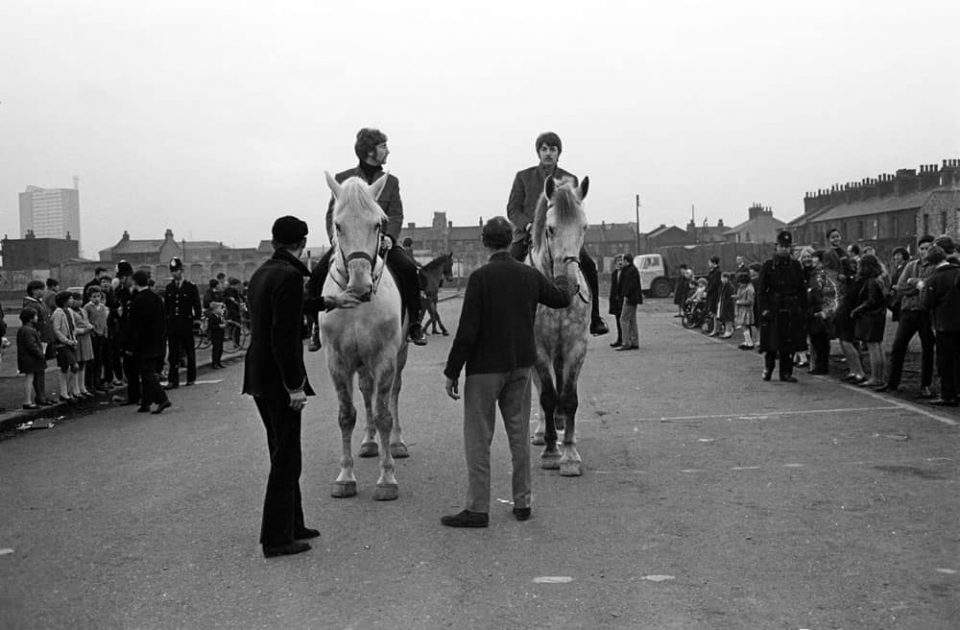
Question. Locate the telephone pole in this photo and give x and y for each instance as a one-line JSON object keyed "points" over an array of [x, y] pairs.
{"points": [[638, 224]]}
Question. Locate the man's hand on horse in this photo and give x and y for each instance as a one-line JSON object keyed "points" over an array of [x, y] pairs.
{"points": [[298, 400], [344, 299], [453, 388]]}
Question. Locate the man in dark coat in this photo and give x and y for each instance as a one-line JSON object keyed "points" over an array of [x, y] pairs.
{"points": [[146, 341], [713, 292], [275, 376], [616, 304], [181, 302], [120, 309], [941, 297], [524, 194], [371, 149], [782, 298], [34, 299], [495, 342], [631, 296]]}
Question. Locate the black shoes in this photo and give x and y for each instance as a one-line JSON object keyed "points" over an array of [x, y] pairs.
{"points": [[789, 378], [616, 344], [172, 386], [466, 518], [161, 407], [416, 335], [306, 534], [285, 550], [940, 402], [598, 327], [521, 514], [143, 408]]}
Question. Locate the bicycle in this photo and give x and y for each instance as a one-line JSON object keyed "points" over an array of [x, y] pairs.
{"points": [[201, 338]]}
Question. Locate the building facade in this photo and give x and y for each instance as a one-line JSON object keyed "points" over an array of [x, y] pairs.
{"points": [[760, 227], [50, 213]]}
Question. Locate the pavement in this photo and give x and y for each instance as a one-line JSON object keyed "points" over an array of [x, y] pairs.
{"points": [[710, 499]]}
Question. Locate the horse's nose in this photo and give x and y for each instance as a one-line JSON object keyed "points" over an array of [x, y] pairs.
{"points": [[365, 297]]}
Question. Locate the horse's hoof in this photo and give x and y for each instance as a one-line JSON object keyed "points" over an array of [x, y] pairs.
{"points": [[550, 461], [571, 469], [344, 489], [369, 449], [399, 451], [537, 439], [386, 492]]}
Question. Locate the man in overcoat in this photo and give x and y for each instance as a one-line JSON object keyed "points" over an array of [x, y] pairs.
{"points": [[275, 376], [522, 204], [782, 299], [181, 302], [631, 296], [371, 149], [146, 341], [616, 304]]}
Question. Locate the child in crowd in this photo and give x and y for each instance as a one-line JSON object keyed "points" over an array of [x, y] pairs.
{"points": [[65, 346], [30, 358], [215, 324], [83, 333], [699, 294], [96, 313], [746, 296], [726, 307]]}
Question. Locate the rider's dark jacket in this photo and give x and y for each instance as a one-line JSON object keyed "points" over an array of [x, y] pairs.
{"points": [[389, 200]]}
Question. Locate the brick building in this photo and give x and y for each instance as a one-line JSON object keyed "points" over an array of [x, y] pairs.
{"points": [[760, 227]]}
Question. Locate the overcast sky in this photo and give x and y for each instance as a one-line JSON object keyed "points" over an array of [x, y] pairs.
{"points": [[213, 120]]}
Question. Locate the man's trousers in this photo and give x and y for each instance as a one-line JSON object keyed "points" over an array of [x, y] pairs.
{"points": [[482, 394], [282, 508], [912, 322], [181, 342]]}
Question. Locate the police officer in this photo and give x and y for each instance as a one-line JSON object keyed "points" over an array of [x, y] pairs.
{"points": [[782, 299], [181, 304]]}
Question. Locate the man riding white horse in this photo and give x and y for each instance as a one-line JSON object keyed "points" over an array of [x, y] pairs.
{"points": [[371, 149], [527, 187]]}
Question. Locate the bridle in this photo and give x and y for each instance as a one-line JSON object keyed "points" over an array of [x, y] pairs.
{"points": [[566, 260], [342, 276]]}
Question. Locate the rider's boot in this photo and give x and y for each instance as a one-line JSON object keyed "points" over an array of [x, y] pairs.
{"points": [[597, 325], [318, 275]]}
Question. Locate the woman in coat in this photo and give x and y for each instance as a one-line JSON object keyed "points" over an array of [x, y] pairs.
{"points": [[870, 317]]}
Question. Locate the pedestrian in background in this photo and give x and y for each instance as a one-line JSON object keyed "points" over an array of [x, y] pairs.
{"points": [[96, 313], [870, 317], [782, 295], [941, 296], [34, 299], [616, 304], [914, 319], [215, 330], [681, 291], [495, 341], [147, 342], [726, 305], [848, 295], [713, 292], [83, 332], [31, 361], [745, 297], [50, 295], [821, 306], [630, 296], [66, 347], [901, 257], [124, 293], [181, 305]]}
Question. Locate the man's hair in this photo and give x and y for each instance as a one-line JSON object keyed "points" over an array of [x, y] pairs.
{"points": [[743, 277], [550, 139], [946, 243], [854, 249], [683, 266], [627, 257], [367, 140], [221, 276], [831, 231], [214, 283], [62, 298], [870, 266], [28, 314], [93, 289], [926, 238], [715, 259], [903, 252], [33, 285], [98, 270], [497, 233], [52, 282], [936, 255], [141, 278]]}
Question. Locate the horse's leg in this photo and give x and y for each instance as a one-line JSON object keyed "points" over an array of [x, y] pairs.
{"points": [[397, 448], [346, 483], [546, 429], [368, 447], [436, 311], [383, 381], [567, 403]]}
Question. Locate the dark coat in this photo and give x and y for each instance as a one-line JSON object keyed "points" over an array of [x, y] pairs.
{"points": [[29, 350], [44, 323], [630, 284], [495, 333], [146, 326], [782, 300], [713, 289], [525, 192], [182, 306], [389, 201], [941, 296], [681, 291], [274, 362], [616, 302], [726, 302]]}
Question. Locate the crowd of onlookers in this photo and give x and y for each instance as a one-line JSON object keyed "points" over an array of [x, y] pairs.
{"points": [[116, 332], [850, 295]]}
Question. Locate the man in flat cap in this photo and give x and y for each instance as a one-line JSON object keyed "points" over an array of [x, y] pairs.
{"points": [[526, 190], [371, 149], [495, 342], [782, 301], [275, 376], [120, 310], [181, 303]]}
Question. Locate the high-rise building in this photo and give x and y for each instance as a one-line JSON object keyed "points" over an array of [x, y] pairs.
{"points": [[50, 212]]}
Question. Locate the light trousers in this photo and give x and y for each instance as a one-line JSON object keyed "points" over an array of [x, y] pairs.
{"points": [[628, 322], [482, 394]]}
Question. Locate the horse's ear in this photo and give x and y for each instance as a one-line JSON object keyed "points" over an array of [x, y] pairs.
{"points": [[378, 186], [334, 186], [549, 187], [584, 187]]}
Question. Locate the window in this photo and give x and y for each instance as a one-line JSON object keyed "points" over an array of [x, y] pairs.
{"points": [[926, 224], [860, 229], [943, 222]]}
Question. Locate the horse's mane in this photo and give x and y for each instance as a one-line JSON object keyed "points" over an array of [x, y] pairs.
{"points": [[354, 193], [566, 206], [436, 262]]}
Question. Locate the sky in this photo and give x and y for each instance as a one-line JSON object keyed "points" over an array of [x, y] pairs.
{"points": [[214, 118]]}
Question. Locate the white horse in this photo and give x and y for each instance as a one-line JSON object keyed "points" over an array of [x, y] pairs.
{"points": [[369, 340], [559, 227]]}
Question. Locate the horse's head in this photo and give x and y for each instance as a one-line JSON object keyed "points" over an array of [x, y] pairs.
{"points": [[357, 223], [559, 227]]}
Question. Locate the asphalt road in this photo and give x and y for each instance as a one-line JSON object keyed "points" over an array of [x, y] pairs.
{"points": [[710, 500]]}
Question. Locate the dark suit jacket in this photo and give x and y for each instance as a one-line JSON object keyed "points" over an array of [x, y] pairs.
{"points": [[630, 284], [274, 362], [526, 190], [147, 329], [616, 302], [182, 306], [389, 201], [941, 296], [495, 334]]}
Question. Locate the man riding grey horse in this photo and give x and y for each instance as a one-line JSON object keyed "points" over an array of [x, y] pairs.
{"points": [[527, 186]]}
